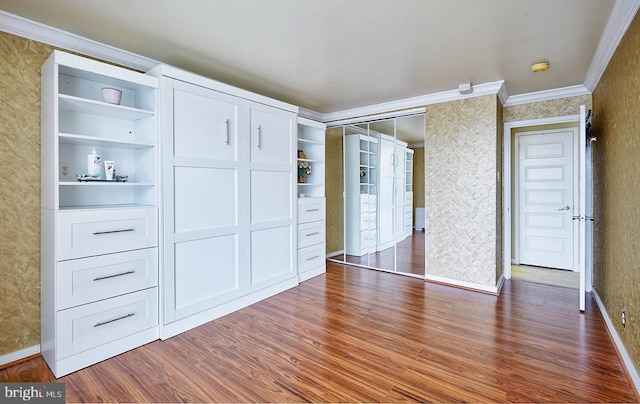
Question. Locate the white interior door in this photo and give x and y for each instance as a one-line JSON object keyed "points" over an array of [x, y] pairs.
{"points": [[546, 198], [580, 219]]}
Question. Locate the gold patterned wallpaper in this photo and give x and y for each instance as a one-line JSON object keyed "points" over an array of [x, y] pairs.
{"points": [[20, 191], [333, 190], [546, 109], [462, 190], [616, 161]]}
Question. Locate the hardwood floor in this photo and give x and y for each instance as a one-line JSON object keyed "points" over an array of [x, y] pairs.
{"points": [[357, 335]]}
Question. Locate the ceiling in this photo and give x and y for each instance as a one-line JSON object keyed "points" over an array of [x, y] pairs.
{"points": [[335, 55]]}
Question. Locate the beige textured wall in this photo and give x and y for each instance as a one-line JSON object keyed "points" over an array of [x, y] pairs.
{"points": [[461, 190], [334, 187], [616, 158], [20, 191], [418, 178], [499, 189], [546, 109]]}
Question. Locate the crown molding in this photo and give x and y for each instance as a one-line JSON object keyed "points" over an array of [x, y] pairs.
{"points": [[621, 17], [545, 95], [313, 115], [25, 28], [413, 102]]}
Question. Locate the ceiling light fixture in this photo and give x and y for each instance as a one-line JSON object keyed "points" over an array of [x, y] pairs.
{"points": [[539, 67]]}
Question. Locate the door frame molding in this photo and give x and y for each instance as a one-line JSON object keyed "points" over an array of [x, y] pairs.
{"points": [[507, 175]]}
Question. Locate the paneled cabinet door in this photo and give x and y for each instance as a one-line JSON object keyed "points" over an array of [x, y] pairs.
{"points": [[201, 226], [271, 134], [206, 122], [271, 189]]}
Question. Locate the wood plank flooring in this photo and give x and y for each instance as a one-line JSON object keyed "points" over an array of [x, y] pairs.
{"points": [[357, 335]]}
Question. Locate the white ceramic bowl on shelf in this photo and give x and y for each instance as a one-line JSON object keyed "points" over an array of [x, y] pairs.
{"points": [[111, 95]]}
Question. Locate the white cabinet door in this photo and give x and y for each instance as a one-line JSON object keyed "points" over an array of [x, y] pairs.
{"points": [[201, 201], [271, 195], [206, 122], [272, 134]]}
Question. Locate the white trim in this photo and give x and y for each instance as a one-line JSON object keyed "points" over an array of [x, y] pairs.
{"points": [[25, 28], [503, 95], [545, 95], [313, 115], [377, 117], [626, 359], [506, 177], [619, 20], [310, 122], [463, 284], [416, 145], [419, 101], [21, 354]]}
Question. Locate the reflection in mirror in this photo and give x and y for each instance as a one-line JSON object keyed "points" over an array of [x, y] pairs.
{"points": [[383, 178]]}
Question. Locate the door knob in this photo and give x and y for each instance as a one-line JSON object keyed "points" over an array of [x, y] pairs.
{"points": [[565, 208]]}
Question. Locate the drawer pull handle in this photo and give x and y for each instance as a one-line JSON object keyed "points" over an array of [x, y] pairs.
{"points": [[315, 233], [315, 257], [313, 210], [99, 278], [97, 233], [227, 140], [115, 319]]}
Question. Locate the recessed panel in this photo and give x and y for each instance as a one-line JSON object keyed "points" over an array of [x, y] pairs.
{"points": [[205, 269], [544, 221], [543, 197], [270, 253], [270, 196], [205, 198], [544, 173], [548, 150], [545, 244]]}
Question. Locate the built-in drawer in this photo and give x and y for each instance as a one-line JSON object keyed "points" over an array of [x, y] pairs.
{"points": [[84, 233], [88, 326], [408, 211], [310, 210], [311, 257], [311, 233], [367, 203], [87, 280]]}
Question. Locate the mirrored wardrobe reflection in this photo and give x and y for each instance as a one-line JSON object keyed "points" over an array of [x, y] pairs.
{"points": [[382, 189]]}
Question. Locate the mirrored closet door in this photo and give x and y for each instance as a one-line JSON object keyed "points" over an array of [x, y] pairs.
{"points": [[380, 195]]}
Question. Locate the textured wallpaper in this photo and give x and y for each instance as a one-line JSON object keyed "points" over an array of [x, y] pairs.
{"points": [[546, 109], [616, 158], [334, 185], [461, 190], [20, 191], [499, 190]]}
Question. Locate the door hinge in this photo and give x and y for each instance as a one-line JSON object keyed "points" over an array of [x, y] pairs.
{"points": [[583, 218]]}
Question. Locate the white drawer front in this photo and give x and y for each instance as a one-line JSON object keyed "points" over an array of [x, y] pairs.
{"points": [[86, 233], [311, 257], [408, 198], [310, 234], [310, 210], [85, 327], [87, 280]]}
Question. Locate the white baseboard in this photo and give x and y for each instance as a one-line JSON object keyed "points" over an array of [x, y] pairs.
{"points": [[626, 359], [21, 354], [462, 284]]}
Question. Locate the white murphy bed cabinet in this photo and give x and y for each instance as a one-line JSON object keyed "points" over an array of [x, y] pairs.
{"points": [[227, 190], [229, 221], [99, 255], [311, 200]]}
